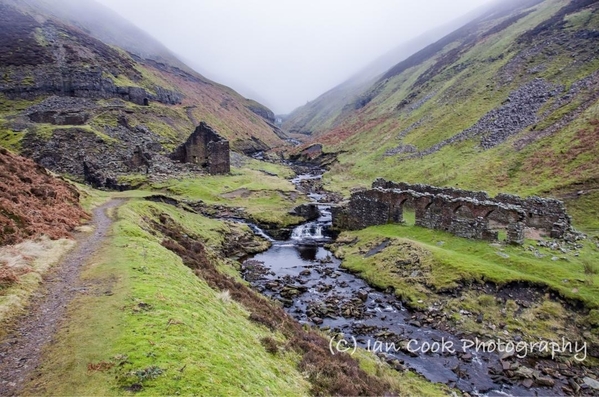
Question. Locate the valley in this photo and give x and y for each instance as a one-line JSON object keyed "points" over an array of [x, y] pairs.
{"points": [[160, 234]]}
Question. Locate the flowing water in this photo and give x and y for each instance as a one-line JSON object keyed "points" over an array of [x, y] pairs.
{"points": [[315, 290]]}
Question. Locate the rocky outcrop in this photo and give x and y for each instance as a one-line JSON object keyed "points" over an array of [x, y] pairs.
{"points": [[518, 112], [61, 111], [460, 212], [49, 58], [262, 111], [92, 84], [206, 148], [99, 159]]}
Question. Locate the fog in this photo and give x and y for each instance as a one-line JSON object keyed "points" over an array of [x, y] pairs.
{"points": [[284, 53]]}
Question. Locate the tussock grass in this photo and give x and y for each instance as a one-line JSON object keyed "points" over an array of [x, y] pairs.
{"points": [[22, 267]]}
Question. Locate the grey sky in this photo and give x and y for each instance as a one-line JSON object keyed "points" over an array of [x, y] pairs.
{"points": [[285, 52]]}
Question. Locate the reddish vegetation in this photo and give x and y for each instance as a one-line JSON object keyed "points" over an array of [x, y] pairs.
{"points": [[584, 142], [33, 202], [348, 129]]}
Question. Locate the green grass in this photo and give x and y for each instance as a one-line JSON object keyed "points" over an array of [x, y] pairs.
{"points": [[10, 140], [584, 210], [45, 131], [279, 170], [422, 265], [120, 80], [453, 260], [135, 180], [146, 310], [266, 198], [555, 165], [146, 319], [10, 106], [406, 383]]}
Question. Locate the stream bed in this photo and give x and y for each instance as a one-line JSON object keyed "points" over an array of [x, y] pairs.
{"points": [[315, 290]]}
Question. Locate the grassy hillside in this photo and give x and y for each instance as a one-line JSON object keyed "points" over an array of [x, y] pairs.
{"points": [[507, 103], [329, 109]]}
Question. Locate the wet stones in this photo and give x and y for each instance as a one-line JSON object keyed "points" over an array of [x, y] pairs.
{"points": [[362, 295], [309, 212], [592, 383]]}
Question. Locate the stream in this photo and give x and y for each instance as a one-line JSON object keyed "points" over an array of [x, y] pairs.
{"points": [[315, 290]]}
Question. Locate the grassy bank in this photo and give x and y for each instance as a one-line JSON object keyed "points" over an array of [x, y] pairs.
{"points": [[432, 269], [160, 316], [22, 268], [147, 322], [261, 190]]}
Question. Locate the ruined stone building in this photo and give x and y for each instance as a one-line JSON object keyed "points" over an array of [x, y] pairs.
{"points": [[460, 212], [206, 148]]}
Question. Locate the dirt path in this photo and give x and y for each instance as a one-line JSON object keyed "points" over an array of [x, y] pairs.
{"points": [[21, 350]]}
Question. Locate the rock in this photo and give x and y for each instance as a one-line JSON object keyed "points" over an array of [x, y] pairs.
{"points": [[309, 212], [363, 295], [506, 354], [527, 383], [317, 320], [524, 372], [545, 382], [592, 383], [286, 302], [573, 385], [289, 292]]}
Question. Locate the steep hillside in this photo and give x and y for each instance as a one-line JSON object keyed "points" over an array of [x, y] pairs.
{"points": [[62, 90], [506, 103], [329, 109], [103, 24]]}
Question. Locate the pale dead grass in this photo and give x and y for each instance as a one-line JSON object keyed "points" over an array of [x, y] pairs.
{"points": [[22, 267], [84, 229]]}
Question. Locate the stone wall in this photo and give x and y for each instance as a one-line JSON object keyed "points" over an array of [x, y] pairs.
{"points": [[205, 147], [463, 213]]}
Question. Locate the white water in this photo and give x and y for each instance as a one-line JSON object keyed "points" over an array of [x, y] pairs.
{"points": [[308, 231]]}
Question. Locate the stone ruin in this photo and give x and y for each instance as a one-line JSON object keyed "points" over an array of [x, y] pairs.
{"points": [[463, 213], [205, 147]]}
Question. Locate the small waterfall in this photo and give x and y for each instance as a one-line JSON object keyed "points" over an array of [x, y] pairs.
{"points": [[308, 231], [260, 232]]}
